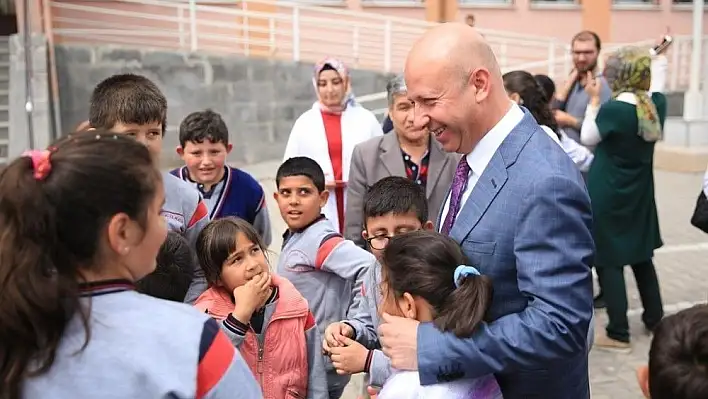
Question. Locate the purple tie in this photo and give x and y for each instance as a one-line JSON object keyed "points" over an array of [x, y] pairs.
{"points": [[459, 183]]}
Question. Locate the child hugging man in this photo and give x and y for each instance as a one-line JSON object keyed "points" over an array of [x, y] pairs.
{"points": [[325, 268], [133, 105], [394, 205], [204, 145]]}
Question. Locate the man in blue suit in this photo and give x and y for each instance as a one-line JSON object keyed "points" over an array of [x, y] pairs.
{"points": [[519, 209]]}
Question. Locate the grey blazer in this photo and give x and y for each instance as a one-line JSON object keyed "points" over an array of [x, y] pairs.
{"points": [[380, 157]]}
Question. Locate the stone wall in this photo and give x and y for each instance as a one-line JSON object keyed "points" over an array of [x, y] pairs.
{"points": [[259, 99]]}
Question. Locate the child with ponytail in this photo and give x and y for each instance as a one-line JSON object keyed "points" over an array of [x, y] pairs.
{"points": [[425, 277], [80, 224]]}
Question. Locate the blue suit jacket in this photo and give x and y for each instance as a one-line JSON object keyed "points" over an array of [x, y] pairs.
{"points": [[526, 225]]}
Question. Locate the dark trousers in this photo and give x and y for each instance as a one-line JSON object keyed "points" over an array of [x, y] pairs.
{"points": [[614, 292]]}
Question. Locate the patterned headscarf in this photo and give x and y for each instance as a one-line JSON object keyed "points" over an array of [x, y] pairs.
{"points": [[629, 70], [343, 72]]}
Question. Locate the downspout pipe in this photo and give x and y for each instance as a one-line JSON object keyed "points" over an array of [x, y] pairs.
{"points": [[29, 71]]}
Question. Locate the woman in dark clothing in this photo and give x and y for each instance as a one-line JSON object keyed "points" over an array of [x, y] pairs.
{"points": [[621, 187]]}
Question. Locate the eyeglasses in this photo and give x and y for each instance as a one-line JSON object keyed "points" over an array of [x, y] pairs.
{"points": [[378, 242]]}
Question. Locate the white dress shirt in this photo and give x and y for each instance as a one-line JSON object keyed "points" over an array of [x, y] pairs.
{"points": [[483, 152]]}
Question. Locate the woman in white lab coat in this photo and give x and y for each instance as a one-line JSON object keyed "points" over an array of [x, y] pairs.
{"points": [[329, 131]]}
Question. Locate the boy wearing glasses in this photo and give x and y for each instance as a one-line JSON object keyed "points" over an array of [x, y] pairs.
{"points": [[394, 205]]}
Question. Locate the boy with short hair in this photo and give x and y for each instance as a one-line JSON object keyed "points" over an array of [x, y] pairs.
{"points": [[173, 273], [226, 191], [325, 268], [133, 105], [394, 205], [678, 357]]}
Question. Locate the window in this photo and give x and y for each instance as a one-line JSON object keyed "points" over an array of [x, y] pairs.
{"points": [[486, 2], [651, 2]]}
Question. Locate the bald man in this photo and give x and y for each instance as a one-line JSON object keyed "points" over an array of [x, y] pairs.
{"points": [[519, 209]]}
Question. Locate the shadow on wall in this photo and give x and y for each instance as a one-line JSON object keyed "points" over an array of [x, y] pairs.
{"points": [[259, 99]]}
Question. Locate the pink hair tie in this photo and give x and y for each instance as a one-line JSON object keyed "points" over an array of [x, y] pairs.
{"points": [[40, 163]]}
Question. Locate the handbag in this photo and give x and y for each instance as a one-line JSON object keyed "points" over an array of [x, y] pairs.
{"points": [[700, 214]]}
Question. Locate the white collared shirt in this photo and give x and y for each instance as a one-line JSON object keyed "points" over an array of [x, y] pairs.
{"points": [[483, 152]]}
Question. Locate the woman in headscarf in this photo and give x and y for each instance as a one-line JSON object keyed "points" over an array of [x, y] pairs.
{"points": [[329, 131], [621, 186]]}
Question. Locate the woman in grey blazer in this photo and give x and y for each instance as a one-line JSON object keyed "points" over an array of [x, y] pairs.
{"points": [[408, 152]]}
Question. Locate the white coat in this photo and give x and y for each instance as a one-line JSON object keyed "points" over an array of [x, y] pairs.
{"points": [[308, 139]]}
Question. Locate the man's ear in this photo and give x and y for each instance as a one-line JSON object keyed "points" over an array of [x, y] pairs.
{"points": [[229, 147], [643, 380], [364, 234], [428, 226], [180, 150]]}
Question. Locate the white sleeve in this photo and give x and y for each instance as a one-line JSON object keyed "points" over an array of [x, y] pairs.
{"points": [[705, 183], [659, 68], [589, 132]]}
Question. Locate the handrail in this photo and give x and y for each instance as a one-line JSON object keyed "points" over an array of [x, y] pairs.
{"points": [[29, 70], [283, 29], [679, 43]]}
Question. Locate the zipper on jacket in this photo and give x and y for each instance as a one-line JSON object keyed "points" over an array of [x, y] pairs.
{"points": [[259, 366]]}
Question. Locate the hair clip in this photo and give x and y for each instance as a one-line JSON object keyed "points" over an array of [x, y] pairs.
{"points": [[463, 271], [40, 163]]}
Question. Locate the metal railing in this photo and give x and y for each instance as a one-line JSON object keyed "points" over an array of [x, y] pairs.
{"points": [[558, 67], [273, 29]]}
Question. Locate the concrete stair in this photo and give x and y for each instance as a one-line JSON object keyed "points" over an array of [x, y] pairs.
{"points": [[4, 98]]}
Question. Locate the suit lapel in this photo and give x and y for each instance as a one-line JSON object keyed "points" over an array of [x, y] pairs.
{"points": [[483, 193], [390, 155], [494, 177], [437, 161]]}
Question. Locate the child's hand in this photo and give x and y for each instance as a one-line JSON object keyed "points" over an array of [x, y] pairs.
{"points": [[251, 296], [334, 335], [349, 359]]}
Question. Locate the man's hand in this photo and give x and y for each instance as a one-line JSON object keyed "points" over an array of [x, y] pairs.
{"points": [[565, 119], [334, 336], [399, 341], [349, 359]]}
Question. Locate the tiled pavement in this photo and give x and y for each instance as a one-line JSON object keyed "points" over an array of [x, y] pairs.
{"points": [[681, 265]]}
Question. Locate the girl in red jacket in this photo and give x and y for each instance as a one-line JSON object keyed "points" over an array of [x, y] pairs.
{"points": [[265, 317]]}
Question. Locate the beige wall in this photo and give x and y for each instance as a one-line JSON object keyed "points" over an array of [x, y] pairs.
{"points": [[334, 35], [614, 23]]}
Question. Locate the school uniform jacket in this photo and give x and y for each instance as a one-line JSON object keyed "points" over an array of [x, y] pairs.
{"points": [[142, 347], [327, 270], [186, 214], [237, 194]]}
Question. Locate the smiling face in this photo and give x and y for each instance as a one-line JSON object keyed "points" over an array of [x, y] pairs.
{"points": [[205, 161], [331, 88], [446, 104]]}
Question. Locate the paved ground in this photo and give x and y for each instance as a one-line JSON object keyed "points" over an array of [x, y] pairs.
{"points": [[681, 266]]}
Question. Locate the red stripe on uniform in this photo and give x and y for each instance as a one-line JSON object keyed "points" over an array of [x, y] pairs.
{"points": [[310, 321], [200, 213], [325, 249], [214, 364]]}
